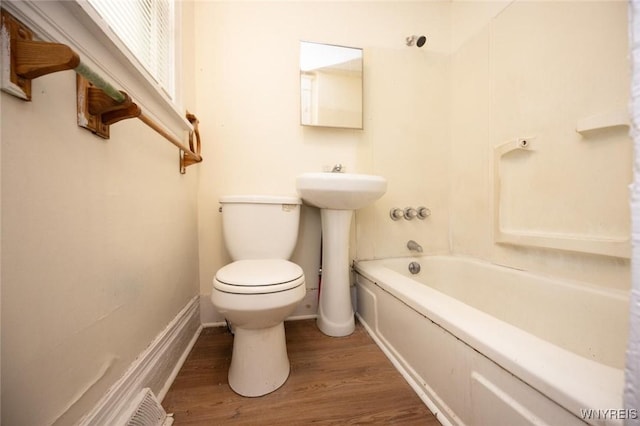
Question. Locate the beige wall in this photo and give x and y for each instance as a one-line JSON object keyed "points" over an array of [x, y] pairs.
{"points": [[490, 72], [535, 69], [248, 96], [103, 241], [99, 251]]}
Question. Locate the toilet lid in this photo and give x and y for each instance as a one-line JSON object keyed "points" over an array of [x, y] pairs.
{"points": [[256, 276]]}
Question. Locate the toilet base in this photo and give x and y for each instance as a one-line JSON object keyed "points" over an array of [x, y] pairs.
{"points": [[259, 364]]}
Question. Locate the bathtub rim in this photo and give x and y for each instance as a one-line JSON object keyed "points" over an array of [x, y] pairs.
{"points": [[572, 381]]}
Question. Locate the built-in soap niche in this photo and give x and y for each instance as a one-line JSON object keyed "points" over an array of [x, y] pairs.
{"points": [[564, 193], [567, 189]]}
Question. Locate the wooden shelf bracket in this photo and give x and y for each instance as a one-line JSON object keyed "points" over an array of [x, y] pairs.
{"points": [[28, 58], [188, 158], [97, 110], [99, 104]]}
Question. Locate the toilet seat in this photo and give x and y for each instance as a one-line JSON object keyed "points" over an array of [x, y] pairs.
{"points": [[258, 276]]}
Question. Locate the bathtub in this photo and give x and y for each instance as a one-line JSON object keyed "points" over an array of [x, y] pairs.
{"points": [[488, 345]]}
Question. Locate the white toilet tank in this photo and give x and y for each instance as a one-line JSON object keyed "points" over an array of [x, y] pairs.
{"points": [[260, 226]]}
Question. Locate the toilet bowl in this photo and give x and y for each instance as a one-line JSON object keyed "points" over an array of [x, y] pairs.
{"points": [[255, 296], [257, 291]]}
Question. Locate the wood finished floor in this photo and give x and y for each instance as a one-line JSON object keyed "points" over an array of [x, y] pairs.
{"points": [[344, 380]]}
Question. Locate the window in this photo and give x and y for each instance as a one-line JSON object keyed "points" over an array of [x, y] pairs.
{"points": [[147, 29]]}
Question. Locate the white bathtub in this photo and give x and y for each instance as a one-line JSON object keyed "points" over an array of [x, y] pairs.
{"points": [[488, 345]]}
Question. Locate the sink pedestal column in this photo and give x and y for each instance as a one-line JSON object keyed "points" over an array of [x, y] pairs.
{"points": [[335, 311]]}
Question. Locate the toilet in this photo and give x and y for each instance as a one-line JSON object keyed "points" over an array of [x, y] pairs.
{"points": [[260, 288]]}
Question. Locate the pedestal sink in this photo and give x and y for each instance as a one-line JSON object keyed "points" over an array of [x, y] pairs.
{"points": [[337, 195]]}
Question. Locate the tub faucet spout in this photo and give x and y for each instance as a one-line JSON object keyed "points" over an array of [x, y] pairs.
{"points": [[413, 246]]}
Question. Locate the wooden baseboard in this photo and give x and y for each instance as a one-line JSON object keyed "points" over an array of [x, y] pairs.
{"points": [[155, 368]]}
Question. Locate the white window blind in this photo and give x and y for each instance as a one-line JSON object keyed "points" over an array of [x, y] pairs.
{"points": [[147, 29]]}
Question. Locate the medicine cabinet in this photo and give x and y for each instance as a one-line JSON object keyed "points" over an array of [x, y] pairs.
{"points": [[330, 85]]}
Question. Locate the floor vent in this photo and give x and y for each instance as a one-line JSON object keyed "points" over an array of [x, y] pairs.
{"points": [[147, 411]]}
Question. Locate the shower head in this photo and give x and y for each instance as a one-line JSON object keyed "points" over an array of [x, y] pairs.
{"points": [[417, 40]]}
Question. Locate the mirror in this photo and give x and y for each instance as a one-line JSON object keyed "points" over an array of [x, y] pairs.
{"points": [[330, 85]]}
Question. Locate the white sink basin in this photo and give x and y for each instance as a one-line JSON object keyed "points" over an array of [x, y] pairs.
{"points": [[337, 195], [340, 191]]}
